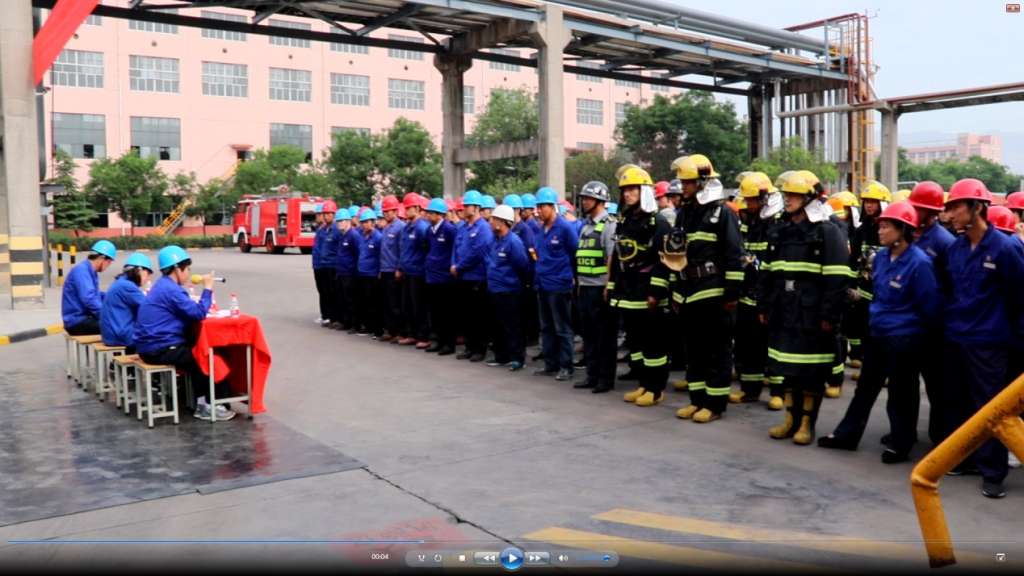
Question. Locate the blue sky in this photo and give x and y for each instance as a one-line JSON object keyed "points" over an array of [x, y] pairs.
{"points": [[923, 47]]}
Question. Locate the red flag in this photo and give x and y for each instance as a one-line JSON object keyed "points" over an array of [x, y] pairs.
{"points": [[65, 18]]}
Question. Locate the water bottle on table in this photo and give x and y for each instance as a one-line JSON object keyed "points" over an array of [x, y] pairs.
{"points": [[234, 306]]}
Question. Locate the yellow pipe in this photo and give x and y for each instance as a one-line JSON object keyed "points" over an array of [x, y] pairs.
{"points": [[1000, 417]]}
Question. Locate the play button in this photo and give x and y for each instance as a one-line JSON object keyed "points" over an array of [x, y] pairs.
{"points": [[512, 558]]}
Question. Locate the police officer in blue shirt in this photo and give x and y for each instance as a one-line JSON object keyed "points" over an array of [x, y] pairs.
{"points": [[349, 241], [506, 268], [469, 266], [439, 279], [368, 277], [121, 305], [905, 305], [325, 247], [81, 298], [165, 329], [985, 269], [391, 291], [556, 255], [411, 273]]}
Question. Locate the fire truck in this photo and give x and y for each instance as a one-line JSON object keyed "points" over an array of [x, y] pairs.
{"points": [[276, 221]]}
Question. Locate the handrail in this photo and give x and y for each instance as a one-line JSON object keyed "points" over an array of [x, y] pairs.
{"points": [[999, 418]]}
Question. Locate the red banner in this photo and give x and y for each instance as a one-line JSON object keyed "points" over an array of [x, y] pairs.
{"points": [[65, 18]]}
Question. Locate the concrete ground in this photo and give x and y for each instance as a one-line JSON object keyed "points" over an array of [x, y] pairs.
{"points": [[469, 457]]}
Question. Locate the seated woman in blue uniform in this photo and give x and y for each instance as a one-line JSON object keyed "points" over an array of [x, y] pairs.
{"points": [[81, 298], [165, 329], [121, 304]]}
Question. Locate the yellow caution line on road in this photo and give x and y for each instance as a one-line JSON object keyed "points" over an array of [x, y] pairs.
{"points": [[681, 555]]}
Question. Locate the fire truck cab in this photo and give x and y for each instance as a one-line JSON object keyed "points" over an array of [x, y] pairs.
{"points": [[275, 222]]}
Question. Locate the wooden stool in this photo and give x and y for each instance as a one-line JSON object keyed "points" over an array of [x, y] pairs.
{"points": [[144, 391], [73, 354], [124, 380], [102, 355]]}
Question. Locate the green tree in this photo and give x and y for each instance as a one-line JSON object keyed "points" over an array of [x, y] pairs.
{"points": [[72, 210], [408, 160], [351, 165], [790, 155], [996, 177], [268, 169], [129, 185], [583, 168], [688, 123], [211, 200], [315, 180], [510, 115]]}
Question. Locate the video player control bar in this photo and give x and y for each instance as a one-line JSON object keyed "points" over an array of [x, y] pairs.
{"points": [[510, 558]]}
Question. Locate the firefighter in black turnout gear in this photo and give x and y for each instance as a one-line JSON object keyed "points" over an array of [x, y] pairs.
{"points": [[864, 244]]}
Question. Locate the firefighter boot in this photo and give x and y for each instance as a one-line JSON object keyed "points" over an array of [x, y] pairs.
{"points": [[687, 412], [833, 391], [649, 399], [855, 376], [704, 415], [632, 396], [736, 397], [855, 363], [681, 385], [788, 427], [775, 403], [811, 404]]}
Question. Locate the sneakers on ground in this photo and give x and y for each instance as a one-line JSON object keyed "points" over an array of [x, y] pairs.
{"points": [[203, 411]]}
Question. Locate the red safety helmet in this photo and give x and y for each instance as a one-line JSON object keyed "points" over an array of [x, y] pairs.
{"points": [[969, 189], [424, 202], [1015, 201], [411, 199], [928, 195], [459, 205], [329, 206], [390, 202], [1002, 218], [453, 204], [661, 189], [901, 212]]}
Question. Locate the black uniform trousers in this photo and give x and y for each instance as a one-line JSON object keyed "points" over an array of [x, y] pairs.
{"points": [[87, 327], [838, 374], [600, 331], [475, 302], [974, 375], [368, 305], [441, 303], [651, 330], [751, 349], [391, 303], [530, 316], [709, 353], [932, 373], [414, 307], [324, 278], [898, 360], [508, 338], [345, 300], [181, 358], [855, 326]]}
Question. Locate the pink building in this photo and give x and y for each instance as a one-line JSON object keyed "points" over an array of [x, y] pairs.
{"points": [[987, 146], [199, 99]]}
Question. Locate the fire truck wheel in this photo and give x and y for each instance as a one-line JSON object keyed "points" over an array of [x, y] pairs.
{"points": [[306, 250], [243, 244]]}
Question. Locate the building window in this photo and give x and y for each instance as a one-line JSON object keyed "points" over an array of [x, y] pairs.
{"points": [[405, 94], [78, 68], [335, 130], [94, 20], [80, 135], [350, 89], [658, 88], [223, 34], [627, 83], [587, 77], [153, 74], [298, 135], [620, 111], [589, 111], [159, 27], [282, 41], [405, 54], [502, 65], [590, 146], [220, 79], [157, 137], [468, 100], [288, 84], [350, 48]]}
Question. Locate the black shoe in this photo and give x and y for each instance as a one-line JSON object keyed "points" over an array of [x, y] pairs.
{"points": [[884, 441], [545, 372], [628, 376], [964, 470], [432, 348], [992, 489], [891, 456], [494, 362], [446, 351], [536, 357], [833, 441], [563, 375], [581, 363], [602, 389], [464, 355], [584, 384], [476, 358]]}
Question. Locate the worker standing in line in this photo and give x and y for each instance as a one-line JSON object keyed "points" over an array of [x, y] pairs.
{"points": [[863, 245], [599, 322], [1015, 202], [412, 272], [345, 273], [391, 289], [81, 297], [529, 213], [761, 213], [487, 206], [531, 315], [984, 273], [556, 252], [906, 304], [665, 206], [469, 267], [368, 277], [318, 229], [507, 265], [712, 280], [324, 260], [121, 305], [529, 321], [800, 298], [440, 284]]}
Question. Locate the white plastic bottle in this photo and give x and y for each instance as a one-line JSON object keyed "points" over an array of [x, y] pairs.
{"points": [[234, 306]]}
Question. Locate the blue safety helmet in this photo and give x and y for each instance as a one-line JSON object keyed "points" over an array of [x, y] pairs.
{"points": [[353, 211], [613, 208], [105, 248], [379, 212], [368, 215], [318, 209], [488, 201], [547, 195], [529, 200], [472, 198], [343, 214], [438, 206], [170, 256], [513, 200], [139, 260]]}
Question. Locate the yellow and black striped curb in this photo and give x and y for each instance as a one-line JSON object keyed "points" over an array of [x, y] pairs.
{"points": [[30, 334]]}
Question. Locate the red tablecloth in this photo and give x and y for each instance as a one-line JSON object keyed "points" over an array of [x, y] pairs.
{"points": [[230, 336]]}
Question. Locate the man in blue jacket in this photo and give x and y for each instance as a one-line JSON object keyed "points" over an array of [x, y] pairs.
{"points": [[165, 331], [440, 284], [469, 266], [325, 248], [368, 277], [556, 254], [391, 291], [411, 273], [506, 268], [346, 261], [984, 271], [81, 298]]}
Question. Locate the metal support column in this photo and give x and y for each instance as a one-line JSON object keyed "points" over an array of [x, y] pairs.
{"points": [[551, 37], [453, 134], [890, 149]]}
